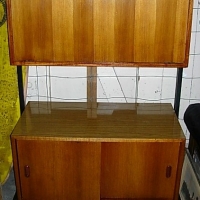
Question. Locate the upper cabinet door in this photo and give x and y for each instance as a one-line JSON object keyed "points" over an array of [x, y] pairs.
{"points": [[100, 32]]}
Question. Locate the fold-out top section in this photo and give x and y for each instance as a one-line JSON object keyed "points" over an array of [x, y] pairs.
{"points": [[99, 32]]}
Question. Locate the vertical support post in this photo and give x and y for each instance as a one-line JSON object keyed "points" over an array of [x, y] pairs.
{"points": [[92, 92], [178, 90], [20, 88]]}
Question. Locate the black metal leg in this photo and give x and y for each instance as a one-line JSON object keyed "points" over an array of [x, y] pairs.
{"points": [[178, 93], [15, 197], [178, 90], [20, 88]]}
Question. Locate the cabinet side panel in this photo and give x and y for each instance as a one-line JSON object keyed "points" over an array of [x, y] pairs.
{"points": [[16, 167], [138, 170], [179, 169], [181, 31], [59, 170]]}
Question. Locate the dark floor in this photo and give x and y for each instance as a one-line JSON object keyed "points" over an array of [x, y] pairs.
{"points": [[8, 188]]}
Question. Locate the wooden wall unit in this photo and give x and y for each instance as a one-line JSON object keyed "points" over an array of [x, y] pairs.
{"points": [[127, 151], [100, 32]]}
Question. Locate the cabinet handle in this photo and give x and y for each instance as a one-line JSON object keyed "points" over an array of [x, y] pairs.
{"points": [[168, 171], [27, 171]]}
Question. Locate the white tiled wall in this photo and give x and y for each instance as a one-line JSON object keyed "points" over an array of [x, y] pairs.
{"points": [[191, 76], [122, 84]]}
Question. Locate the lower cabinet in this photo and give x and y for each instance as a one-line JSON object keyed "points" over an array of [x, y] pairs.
{"points": [[92, 170], [59, 153]]}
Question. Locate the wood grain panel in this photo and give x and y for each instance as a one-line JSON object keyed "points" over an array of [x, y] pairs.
{"points": [[20, 50], [126, 122], [144, 37], [83, 31], [104, 30], [165, 27], [34, 40], [124, 30], [63, 41], [15, 167], [100, 32], [135, 169], [15, 27], [63, 170], [181, 33]]}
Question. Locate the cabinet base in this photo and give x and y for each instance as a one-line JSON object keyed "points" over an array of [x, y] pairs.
{"points": [[135, 199], [15, 198]]}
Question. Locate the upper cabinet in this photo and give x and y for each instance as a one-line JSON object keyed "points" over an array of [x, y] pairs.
{"points": [[100, 32]]}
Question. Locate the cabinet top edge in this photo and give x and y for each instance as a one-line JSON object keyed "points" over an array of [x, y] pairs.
{"points": [[99, 122]]}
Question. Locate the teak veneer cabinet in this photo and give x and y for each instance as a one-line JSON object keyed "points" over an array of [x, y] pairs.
{"points": [[127, 151], [100, 32]]}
